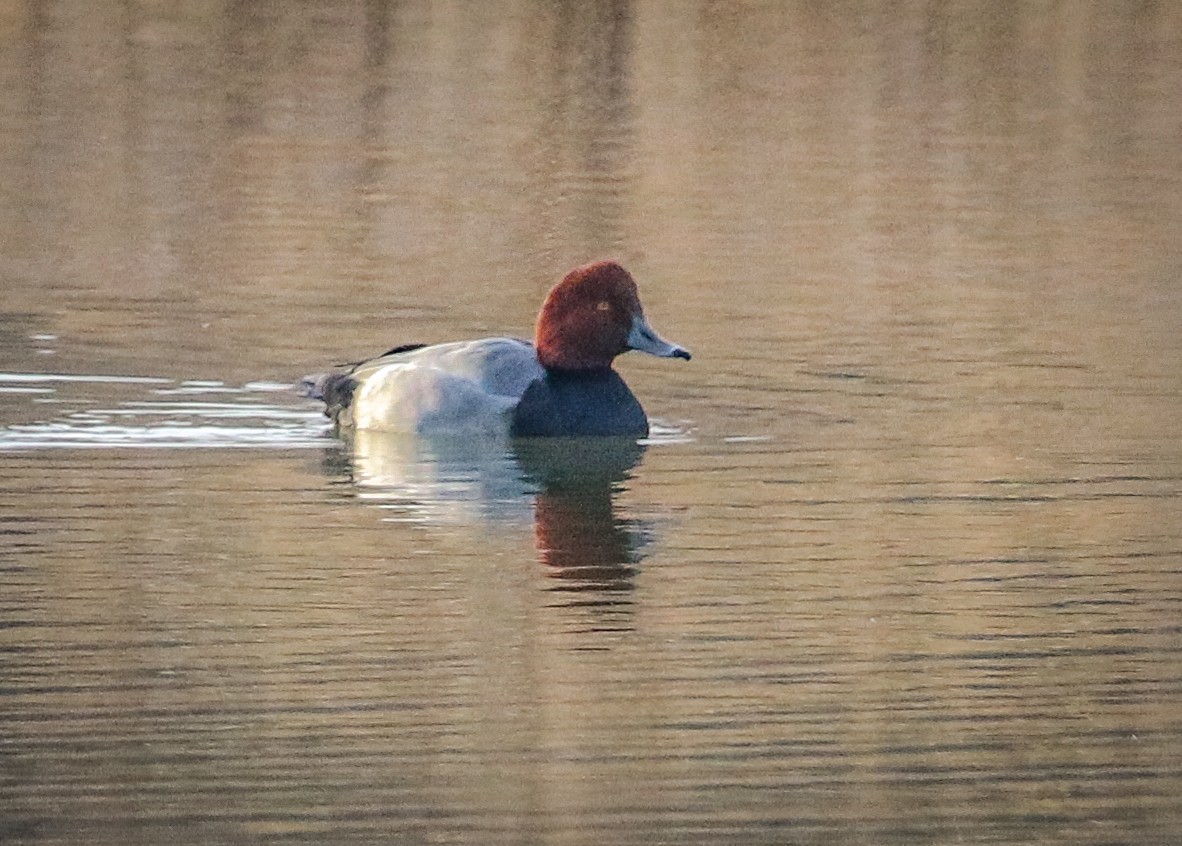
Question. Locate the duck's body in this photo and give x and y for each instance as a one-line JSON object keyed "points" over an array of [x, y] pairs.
{"points": [[563, 384], [463, 387]]}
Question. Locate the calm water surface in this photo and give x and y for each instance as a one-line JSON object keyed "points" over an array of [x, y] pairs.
{"points": [[900, 564]]}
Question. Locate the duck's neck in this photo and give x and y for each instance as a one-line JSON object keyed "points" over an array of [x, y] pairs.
{"points": [[580, 374]]}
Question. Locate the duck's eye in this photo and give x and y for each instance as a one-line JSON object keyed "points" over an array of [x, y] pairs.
{"points": [[603, 305]]}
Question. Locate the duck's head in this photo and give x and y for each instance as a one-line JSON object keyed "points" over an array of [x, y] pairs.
{"points": [[592, 316]]}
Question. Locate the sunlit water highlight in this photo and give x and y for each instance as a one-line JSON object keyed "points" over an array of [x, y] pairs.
{"points": [[231, 417]]}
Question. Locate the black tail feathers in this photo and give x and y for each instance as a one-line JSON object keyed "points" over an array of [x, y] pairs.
{"points": [[335, 389]]}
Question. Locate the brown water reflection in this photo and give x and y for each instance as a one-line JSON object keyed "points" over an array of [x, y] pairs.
{"points": [[902, 563]]}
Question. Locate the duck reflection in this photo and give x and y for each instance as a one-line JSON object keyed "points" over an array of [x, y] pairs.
{"points": [[566, 486], [579, 537], [450, 480]]}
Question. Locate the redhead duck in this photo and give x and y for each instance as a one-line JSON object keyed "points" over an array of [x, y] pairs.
{"points": [[562, 384]]}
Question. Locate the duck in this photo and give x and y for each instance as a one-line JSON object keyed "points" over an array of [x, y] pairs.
{"points": [[562, 384]]}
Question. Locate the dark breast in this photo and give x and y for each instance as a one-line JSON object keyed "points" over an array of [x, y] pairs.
{"points": [[579, 403]]}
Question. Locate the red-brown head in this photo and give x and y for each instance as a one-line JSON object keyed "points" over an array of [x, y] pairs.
{"points": [[593, 315]]}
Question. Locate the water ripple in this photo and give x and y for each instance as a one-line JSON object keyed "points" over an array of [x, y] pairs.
{"points": [[232, 416]]}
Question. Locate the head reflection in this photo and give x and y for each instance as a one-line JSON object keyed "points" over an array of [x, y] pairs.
{"points": [[579, 537]]}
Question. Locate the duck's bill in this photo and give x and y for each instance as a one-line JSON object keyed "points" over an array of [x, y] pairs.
{"points": [[645, 339]]}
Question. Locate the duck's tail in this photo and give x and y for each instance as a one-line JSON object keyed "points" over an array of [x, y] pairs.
{"points": [[334, 389]]}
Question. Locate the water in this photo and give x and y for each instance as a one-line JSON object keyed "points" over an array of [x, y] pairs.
{"points": [[901, 562]]}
